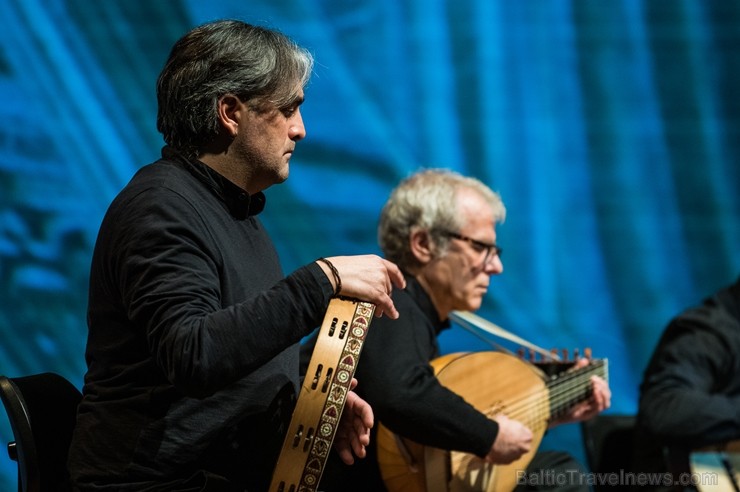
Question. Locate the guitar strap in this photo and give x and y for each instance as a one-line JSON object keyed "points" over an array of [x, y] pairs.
{"points": [[322, 396]]}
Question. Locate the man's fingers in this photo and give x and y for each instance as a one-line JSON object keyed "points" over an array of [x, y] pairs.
{"points": [[386, 307], [395, 275]]}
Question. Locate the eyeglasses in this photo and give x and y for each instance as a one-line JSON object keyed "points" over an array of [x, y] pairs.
{"points": [[491, 250]]}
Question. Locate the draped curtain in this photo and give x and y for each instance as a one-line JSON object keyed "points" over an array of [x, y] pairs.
{"points": [[610, 129]]}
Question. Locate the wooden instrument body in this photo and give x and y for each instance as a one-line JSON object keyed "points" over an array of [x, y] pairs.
{"points": [[322, 396], [492, 382]]}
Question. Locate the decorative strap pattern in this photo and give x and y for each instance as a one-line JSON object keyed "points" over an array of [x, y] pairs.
{"points": [[322, 397]]}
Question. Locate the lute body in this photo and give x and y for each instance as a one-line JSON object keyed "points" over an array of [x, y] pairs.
{"points": [[493, 382]]}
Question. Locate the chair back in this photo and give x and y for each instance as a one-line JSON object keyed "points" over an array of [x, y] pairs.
{"points": [[609, 442], [42, 412]]}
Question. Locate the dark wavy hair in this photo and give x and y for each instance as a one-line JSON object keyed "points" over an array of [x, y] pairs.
{"points": [[256, 64]]}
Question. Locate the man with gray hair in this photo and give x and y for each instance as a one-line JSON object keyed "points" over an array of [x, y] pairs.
{"points": [[192, 347], [439, 227]]}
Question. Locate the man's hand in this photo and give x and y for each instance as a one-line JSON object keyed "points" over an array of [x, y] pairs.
{"points": [[512, 441], [368, 278], [599, 400], [353, 433]]}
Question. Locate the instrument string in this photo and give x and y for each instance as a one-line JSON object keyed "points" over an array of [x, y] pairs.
{"points": [[562, 393], [573, 389], [540, 405]]}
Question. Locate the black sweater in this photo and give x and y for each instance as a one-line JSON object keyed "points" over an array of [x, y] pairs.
{"points": [[690, 394], [192, 346]]}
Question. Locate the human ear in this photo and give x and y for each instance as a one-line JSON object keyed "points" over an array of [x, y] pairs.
{"points": [[421, 245], [229, 109]]}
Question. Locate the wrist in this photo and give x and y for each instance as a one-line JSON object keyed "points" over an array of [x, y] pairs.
{"points": [[332, 274]]}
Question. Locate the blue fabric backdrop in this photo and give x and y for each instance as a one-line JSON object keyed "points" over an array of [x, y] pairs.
{"points": [[609, 128]]}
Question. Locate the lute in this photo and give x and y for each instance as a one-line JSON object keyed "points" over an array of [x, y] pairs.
{"points": [[493, 382]]}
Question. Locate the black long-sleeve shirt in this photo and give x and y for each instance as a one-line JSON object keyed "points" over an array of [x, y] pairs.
{"points": [[690, 392], [396, 378], [193, 330]]}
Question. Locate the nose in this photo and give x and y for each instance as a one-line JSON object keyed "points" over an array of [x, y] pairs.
{"points": [[494, 266], [296, 129]]}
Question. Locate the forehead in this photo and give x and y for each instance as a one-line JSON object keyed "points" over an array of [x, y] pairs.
{"points": [[297, 92], [295, 96], [278, 100], [470, 201], [476, 214]]}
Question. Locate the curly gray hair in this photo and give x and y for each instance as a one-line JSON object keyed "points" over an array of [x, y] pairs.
{"points": [[427, 200]]}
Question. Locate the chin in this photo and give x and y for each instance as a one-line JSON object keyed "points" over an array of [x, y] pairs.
{"points": [[281, 176], [474, 304]]}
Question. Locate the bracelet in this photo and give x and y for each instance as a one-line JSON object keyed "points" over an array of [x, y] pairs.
{"points": [[335, 273]]}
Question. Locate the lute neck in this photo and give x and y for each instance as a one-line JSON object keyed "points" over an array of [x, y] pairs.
{"points": [[573, 386]]}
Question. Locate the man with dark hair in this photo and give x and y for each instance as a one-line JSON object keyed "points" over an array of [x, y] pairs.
{"points": [[192, 349]]}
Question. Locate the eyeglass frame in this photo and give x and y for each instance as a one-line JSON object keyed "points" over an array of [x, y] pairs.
{"points": [[488, 247]]}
